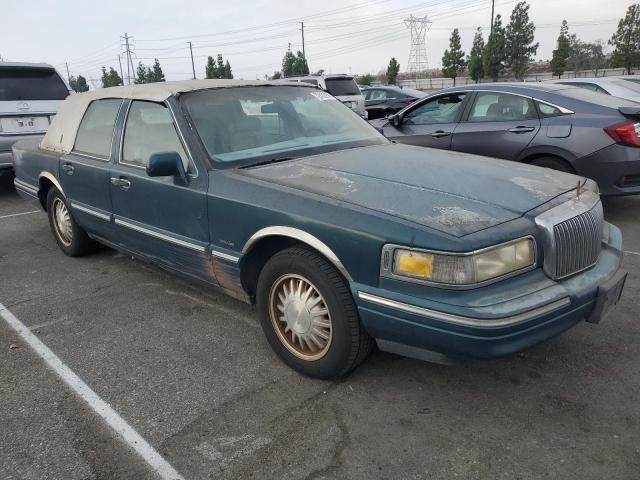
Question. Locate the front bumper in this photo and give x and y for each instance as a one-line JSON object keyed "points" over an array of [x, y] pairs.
{"points": [[615, 168], [505, 321]]}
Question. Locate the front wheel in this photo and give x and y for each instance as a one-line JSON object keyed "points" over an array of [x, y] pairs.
{"points": [[308, 315], [70, 237]]}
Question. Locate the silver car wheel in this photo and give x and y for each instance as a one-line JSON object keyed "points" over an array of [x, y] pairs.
{"points": [[300, 316], [62, 222]]}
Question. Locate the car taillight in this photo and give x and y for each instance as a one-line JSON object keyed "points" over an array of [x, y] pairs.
{"points": [[625, 133]]}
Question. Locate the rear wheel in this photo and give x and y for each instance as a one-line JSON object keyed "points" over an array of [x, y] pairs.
{"points": [[553, 163], [308, 315], [71, 238]]}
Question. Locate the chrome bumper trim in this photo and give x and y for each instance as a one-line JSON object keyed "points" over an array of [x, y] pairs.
{"points": [[461, 320], [225, 256]]}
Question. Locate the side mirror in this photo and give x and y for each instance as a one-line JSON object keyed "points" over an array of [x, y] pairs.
{"points": [[396, 120], [167, 164]]}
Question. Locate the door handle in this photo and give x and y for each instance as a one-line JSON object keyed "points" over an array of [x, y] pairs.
{"points": [[521, 129], [67, 167], [123, 183], [440, 133]]}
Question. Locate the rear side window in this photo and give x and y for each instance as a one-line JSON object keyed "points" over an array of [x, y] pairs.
{"points": [[149, 130], [501, 107], [547, 111], [31, 84], [339, 87], [96, 129]]}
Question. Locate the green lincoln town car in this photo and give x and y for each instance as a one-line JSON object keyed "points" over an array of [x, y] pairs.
{"points": [[283, 197]]}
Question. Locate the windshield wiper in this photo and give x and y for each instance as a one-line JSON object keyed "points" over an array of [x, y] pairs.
{"points": [[267, 162]]}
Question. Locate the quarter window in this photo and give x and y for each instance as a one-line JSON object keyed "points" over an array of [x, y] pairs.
{"points": [[96, 128], [501, 107], [547, 110], [150, 130], [439, 110]]}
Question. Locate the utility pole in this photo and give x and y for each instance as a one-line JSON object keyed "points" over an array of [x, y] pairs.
{"points": [[68, 76], [493, 6], [193, 67], [120, 63], [304, 55], [129, 61]]}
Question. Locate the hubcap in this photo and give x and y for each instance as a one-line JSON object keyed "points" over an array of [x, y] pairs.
{"points": [[62, 222], [300, 317]]}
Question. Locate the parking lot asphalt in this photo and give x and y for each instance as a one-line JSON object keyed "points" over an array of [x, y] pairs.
{"points": [[190, 371]]}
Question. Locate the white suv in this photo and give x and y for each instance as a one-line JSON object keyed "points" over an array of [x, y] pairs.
{"points": [[343, 87], [30, 94]]}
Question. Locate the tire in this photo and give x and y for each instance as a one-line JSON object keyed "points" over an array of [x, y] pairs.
{"points": [[341, 343], [70, 237], [553, 163]]}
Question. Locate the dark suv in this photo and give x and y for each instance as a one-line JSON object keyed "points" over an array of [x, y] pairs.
{"points": [[549, 125]]}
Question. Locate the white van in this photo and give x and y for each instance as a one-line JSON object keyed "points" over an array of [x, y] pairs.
{"points": [[30, 94], [343, 87]]}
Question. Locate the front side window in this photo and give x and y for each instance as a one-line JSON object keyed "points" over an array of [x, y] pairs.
{"points": [[246, 125], [443, 109], [149, 129], [501, 107], [95, 132]]}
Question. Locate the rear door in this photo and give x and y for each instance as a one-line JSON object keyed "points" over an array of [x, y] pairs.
{"points": [[430, 123], [84, 172], [157, 216], [498, 124]]}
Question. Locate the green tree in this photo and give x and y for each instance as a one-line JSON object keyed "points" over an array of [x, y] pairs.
{"points": [[294, 64], [453, 59], [366, 79], [210, 69], [520, 48], [562, 52], [276, 76], [476, 67], [78, 84], [157, 75], [578, 54], [227, 70], [392, 71], [494, 55], [219, 67], [626, 40], [141, 74], [598, 59], [110, 78]]}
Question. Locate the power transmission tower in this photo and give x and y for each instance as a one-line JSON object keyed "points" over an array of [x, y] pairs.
{"points": [[128, 46], [418, 54]]}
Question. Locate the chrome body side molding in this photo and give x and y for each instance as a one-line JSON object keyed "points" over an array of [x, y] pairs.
{"points": [[90, 211], [160, 236], [301, 236]]}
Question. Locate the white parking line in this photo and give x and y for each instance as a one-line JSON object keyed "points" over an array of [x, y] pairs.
{"points": [[102, 408], [632, 253], [18, 214]]}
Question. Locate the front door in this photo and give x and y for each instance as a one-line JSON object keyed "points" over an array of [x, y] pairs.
{"points": [[499, 125], [159, 217], [84, 172], [430, 123]]}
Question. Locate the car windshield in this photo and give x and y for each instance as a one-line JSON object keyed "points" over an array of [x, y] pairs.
{"points": [[342, 86], [633, 80], [248, 125], [596, 98], [31, 84]]}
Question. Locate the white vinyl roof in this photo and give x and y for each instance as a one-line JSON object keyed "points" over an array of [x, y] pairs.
{"points": [[62, 132]]}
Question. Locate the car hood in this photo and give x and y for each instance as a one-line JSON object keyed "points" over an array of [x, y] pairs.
{"points": [[452, 192]]}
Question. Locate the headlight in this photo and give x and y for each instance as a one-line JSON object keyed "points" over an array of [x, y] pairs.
{"points": [[457, 269]]}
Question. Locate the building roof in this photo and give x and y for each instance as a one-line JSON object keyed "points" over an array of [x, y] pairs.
{"points": [[62, 133]]}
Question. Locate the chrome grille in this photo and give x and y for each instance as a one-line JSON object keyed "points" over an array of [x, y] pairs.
{"points": [[577, 242], [572, 235]]}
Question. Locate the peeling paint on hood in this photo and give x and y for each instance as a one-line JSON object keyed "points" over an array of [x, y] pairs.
{"points": [[449, 191]]}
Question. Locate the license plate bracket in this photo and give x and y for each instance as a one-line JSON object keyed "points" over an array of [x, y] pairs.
{"points": [[609, 293]]}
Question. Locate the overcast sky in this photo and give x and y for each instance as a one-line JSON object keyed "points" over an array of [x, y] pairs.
{"points": [[341, 36]]}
